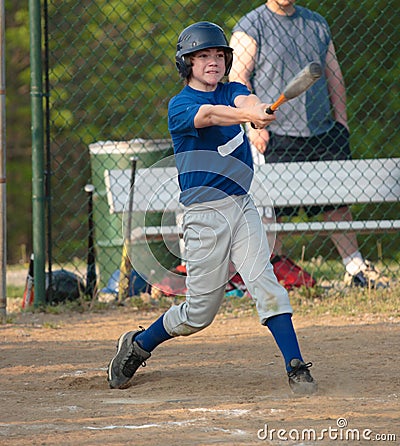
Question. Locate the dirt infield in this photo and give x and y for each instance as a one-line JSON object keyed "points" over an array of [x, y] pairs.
{"points": [[224, 385]]}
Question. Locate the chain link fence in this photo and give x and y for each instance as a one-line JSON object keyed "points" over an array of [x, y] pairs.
{"points": [[112, 72]]}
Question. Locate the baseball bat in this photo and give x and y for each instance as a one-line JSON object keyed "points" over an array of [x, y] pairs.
{"points": [[91, 275], [125, 267], [298, 85], [29, 293]]}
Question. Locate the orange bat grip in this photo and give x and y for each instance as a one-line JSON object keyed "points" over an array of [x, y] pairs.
{"points": [[270, 110], [281, 100]]}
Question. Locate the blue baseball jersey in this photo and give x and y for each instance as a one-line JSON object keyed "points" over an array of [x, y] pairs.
{"points": [[213, 162]]}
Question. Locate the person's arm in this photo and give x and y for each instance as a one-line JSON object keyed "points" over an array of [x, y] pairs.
{"points": [[244, 58], [247, 109], [243, 64], [336, 86]]}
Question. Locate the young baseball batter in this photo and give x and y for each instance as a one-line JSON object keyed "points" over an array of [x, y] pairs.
{"points": [[221, 223]]}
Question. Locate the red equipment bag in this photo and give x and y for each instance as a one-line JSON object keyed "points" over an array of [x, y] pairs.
{"points": [[289, 274]]}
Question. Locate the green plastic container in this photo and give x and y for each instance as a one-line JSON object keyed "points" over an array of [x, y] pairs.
{"points": [[110, 155]]}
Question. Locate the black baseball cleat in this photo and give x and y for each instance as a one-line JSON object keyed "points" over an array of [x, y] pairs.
{"points": [[128, 359], [300, 380]]}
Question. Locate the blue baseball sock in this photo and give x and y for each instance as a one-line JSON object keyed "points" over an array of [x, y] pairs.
{"points": [[153, 336], [282, 330]]}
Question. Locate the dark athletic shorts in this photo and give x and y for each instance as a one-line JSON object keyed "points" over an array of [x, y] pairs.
{"points": [[332, 145]]}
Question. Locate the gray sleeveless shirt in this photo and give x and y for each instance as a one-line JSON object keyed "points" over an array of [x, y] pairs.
{"points": [[285, 45]]}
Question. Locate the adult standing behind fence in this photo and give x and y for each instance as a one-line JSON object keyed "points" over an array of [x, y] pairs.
{"points": [[272, 43]]}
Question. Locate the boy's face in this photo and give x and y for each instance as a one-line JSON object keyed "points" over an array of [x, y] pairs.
{"points": [[208, 68]]}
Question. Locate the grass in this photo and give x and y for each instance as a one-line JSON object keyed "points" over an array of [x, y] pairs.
{"points": [[14, 291], [334, 300], [352, 302]]}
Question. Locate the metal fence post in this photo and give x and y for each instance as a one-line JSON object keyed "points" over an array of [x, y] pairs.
{"points": [[3, 220], [38, 178]]}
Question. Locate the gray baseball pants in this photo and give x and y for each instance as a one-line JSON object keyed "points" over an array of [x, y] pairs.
{"points": [[215, 234]]}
